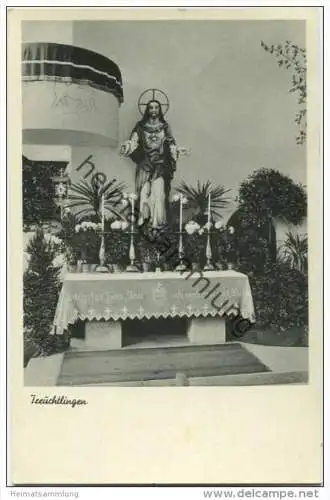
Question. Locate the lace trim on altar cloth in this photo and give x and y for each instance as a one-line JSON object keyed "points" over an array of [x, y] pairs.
{"points": [[108, 315]]}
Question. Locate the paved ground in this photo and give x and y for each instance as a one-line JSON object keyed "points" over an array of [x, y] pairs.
{"points": [[158, 363], [288, 365]]}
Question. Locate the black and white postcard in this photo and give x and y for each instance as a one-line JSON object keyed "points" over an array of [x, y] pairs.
{"points": [[166, 233]]}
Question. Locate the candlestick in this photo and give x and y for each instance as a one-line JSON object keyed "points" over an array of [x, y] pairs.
{"points": [[102, 268], [180, 212], [208, 253], [132, 222], [158, 266], [102, 212], [132, 268], [181, 266], [208, 266]]}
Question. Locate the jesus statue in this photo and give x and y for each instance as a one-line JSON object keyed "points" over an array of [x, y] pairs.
{"points": [[153, 148]]}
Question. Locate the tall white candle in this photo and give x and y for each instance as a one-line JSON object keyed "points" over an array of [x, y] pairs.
{"points": [[102, 211], [209, 210], [132, 225], [180, 212]]}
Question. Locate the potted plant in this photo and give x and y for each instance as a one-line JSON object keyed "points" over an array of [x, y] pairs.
{"points": [[88, 242], [117, 245], [149, 255], [86, 199], [84, 266], [71, 260], [197, 197], [218, 239], [145, 258], [194, 244]]}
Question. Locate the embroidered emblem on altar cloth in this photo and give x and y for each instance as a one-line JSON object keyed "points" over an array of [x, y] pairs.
{"points": [[159, 293]]}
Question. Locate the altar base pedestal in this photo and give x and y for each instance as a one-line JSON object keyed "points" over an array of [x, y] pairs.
{"points": [[103, 335], [207, 330]]}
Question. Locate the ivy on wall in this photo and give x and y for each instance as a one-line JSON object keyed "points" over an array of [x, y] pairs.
{"points": [[38, 190]]}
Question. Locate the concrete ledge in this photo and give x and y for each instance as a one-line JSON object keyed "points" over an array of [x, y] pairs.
{"points": [[280, 359], [43, 371], [249, 379]]}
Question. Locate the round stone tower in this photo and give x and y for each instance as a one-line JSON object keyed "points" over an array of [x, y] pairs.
{"points": [[71, 101]]}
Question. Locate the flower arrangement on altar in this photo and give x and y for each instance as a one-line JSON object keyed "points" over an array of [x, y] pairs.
{"points": [[116, 241], [82, 240], [123, 246], [88, 226], [224, 242], [119, 225], [119, 240], [194, 243], [221, 242], [178, 197], [192, 227]]}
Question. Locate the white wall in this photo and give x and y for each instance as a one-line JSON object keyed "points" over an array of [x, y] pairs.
{"points": [[106, 161], [59, 115], [47, 31], [68, 114], [229, 101], [42, 152]]}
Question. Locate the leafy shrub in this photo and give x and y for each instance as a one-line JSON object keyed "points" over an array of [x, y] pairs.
{"points": [[89, 244], [116, 246], [84, 244], [280, 297], [40, 295], [265, 195], [38, 190], [254, 240], [195, 247], [295, 251], [162, 245], [270, 193], [197, 198]]}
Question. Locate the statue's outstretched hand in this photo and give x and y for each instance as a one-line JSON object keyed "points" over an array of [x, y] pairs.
{"points": [[178, 151], [124, 149], [181, 151]]}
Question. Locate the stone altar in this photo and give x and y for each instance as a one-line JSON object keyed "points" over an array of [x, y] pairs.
{"points": [[106, 300]]}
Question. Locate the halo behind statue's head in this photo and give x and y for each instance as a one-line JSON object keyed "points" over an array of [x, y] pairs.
{"points": [[151, 95]]}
